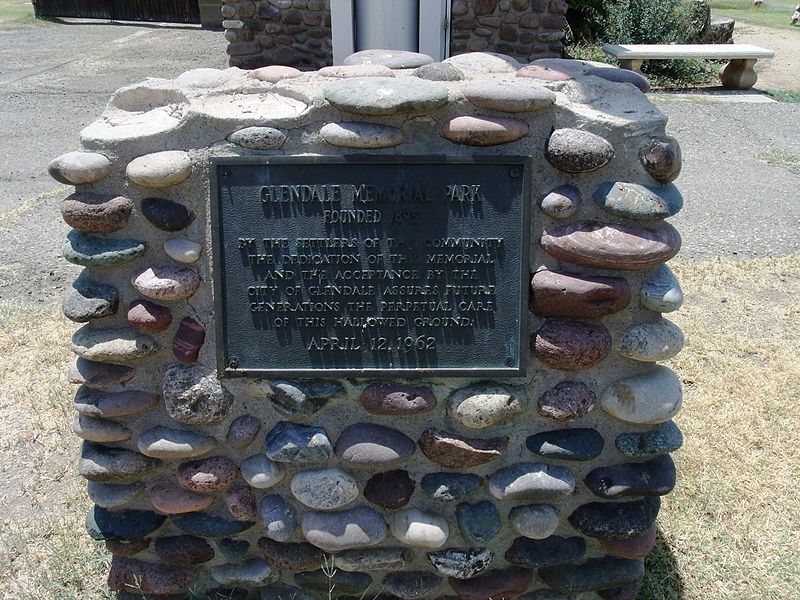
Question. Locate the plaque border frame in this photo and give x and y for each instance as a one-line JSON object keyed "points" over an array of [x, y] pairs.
{"points": [[225, 370]]}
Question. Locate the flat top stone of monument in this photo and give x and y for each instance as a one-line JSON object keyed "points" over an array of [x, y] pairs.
{"points": [[394, 59]]}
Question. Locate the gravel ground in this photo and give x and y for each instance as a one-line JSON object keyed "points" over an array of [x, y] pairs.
{"points": [[740, 180]]}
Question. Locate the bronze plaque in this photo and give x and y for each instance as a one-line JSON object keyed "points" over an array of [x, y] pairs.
{"points": [[354, 266]]}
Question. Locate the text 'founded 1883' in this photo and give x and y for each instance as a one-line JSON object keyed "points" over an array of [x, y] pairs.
{"points": [[333, 266]]}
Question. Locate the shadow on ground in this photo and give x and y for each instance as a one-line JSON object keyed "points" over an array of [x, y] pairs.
{"points": [[662, 580]]}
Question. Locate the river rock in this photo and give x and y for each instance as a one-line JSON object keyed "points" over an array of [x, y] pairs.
{"points": [[483, 130], [652, 342], [353, 134], [661, 157], [299, 444], [148, 316], [508, 95], [149, 578], [258, 138], [167, 215], [252, 572], [299, 400], [438, 71], [207, 475], [620, 76], [160, 169], [567, 401], [500, 583], [203, 78], [260, 472], [561, 203], [479, 522], [324, 489], [174, 444], [167, 283], [115, 345], [554, 550], [278, 517], [612, 246], [482, 63], [108, 405], [368, 444], [291, 558], [666, 437], [450, 487], [175, 501], [560, 294], [531, 481], [99, 430], [233, 550], [188, 340], [243, 431], [183, 550], [103, 524], [543, 73], [337, 583], [96, 213], [484, 405], [348, 71], [96, 375], [391, 490], [274, 73], [79, 168], [594, 574], [127, 548], [655, 477], [633, 548], [336, 531], [616, 520], [111, 496], [571, 345], [637, 202], [183, 250], [392, 59], [535, 521], [374, 559], [577, 151], [644, 399], [240, 500], [661, 292], [391, 399], [417, 528], [86, 300], [109, 465], [461, 563], [383, 96], [92, 251], [567, 444], [411, 585], [193, 395], [457, 452], [206, 525]]}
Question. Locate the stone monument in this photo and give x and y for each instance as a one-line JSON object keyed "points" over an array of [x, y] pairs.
{"points": [[369, 332]]}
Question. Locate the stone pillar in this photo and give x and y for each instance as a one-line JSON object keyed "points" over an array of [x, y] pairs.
{"points": [[541, 485]]}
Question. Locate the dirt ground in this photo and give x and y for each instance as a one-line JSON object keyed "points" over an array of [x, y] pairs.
{"points": [[783, 71]]}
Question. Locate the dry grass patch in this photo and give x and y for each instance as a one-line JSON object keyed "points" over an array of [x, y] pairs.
{"points": [[729, 531]]}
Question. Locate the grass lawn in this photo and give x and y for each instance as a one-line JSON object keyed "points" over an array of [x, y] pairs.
{"points": [[774, 14], [17, 13]]}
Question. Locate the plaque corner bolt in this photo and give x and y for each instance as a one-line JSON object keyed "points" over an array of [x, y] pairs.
{"points": [[226, 172], [515, 172], [233, 363]]}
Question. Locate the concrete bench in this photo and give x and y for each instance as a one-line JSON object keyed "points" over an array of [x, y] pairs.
{"points": [[738, 74]]}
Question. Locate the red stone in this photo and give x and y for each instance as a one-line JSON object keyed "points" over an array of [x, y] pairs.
{"points": [[127, 548], [183, 550], [207, 475], [455, 451], [484, 131], [567, 401], [148, 316], [175, 501], [610, 246], [395, 399], [391, 490], [243, 431], [500, 583], [241, 503], [633, 548], [484, 7], [571, 345], [188, 340], [96, 213], [150, 578], [291, 557], [569, 295]]}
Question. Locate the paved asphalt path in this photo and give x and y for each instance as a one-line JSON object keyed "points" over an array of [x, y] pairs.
{"points": [[56, 78]]}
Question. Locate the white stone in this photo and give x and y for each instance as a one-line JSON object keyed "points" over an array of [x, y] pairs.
{"points": [[324, 489], [662, 292], [361, 135], [535, 521], [260, 472], [481, 406], [114, 345], [203, 78], [232, 24], [183, 250], [645, 399], [78, 168], [417, 528], [160, 169]]}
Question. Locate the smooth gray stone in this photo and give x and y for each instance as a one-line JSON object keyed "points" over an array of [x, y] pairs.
{"points": [[172, 444], [258, 138], [577, 151], [77, 168], [352, 134], [535, 521], [252, 572], [324, 489], [300, 444], [531, 481], [661, 292], [93, 251], [368, 444], [508, 95], [105, 464], [438, 71], [562, 203], [652, 342], [383, 96], [335, 531], [394, 59], [302, 399], [86, 300], [112, 496], [638, 202], [479, 522], [374, 559]]}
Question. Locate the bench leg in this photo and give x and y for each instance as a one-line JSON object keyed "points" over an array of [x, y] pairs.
{"points": [[631, 65], [739, 74]]}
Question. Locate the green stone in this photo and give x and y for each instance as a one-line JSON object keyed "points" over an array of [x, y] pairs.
{"points": [[94, 251]]}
